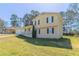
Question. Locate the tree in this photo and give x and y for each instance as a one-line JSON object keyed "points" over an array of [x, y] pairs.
{"points": [[21, 22], [29, 16], [14, 20], [63, 14], [72, 11], [34, 13], [1, 25], [74, 7], [70, 15], [26, 18]]}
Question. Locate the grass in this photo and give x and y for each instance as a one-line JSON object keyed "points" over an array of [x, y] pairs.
{"points": [[61, 43], [23, 46]]}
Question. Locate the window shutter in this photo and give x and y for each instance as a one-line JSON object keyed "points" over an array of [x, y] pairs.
{"points": [[47, 30], [47, 19], [52, 19], [53, 30]]}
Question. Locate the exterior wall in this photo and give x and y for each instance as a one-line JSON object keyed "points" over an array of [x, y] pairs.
{"points": [[24, 31], [9, 31], [19, 30], [28, 31], [4, 30], [57, 25]]}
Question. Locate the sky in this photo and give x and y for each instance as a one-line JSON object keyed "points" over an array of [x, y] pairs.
{"points": [[7, 9]]}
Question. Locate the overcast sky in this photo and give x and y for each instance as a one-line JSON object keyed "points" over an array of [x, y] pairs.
{"points": [[6, 9]]}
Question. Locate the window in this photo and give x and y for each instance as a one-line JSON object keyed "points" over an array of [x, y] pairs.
{"points": [[38, 22], [49, 19], [50, 30], [39, 31]]}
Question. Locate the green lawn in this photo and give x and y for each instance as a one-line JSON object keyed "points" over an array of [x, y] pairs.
{"points": [[23, 46]]}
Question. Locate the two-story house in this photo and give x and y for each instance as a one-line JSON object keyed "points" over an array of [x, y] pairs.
{"points": [[47, 25]]}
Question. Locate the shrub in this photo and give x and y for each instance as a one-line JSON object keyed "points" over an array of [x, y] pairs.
{"points": [[69, 34]]}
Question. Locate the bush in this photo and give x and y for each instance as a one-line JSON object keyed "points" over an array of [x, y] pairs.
{"points": [[69, 34]]}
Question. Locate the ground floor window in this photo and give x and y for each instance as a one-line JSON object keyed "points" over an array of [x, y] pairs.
{"points": [[50, 30]]}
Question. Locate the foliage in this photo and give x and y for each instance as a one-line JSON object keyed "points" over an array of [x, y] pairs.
{"points": [[2, 23], [71, 16], [14, 20], [26, 18], [29, 16], [34, 13]]}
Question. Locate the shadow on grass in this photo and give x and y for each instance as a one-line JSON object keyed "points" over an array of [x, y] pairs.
{"points": [[60, 43]]}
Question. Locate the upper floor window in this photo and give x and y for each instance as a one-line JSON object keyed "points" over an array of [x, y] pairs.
{"points": [[49, 19]]}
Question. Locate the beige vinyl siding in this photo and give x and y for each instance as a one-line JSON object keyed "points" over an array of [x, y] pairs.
{"points": [[56, 24], [40, 23]]}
